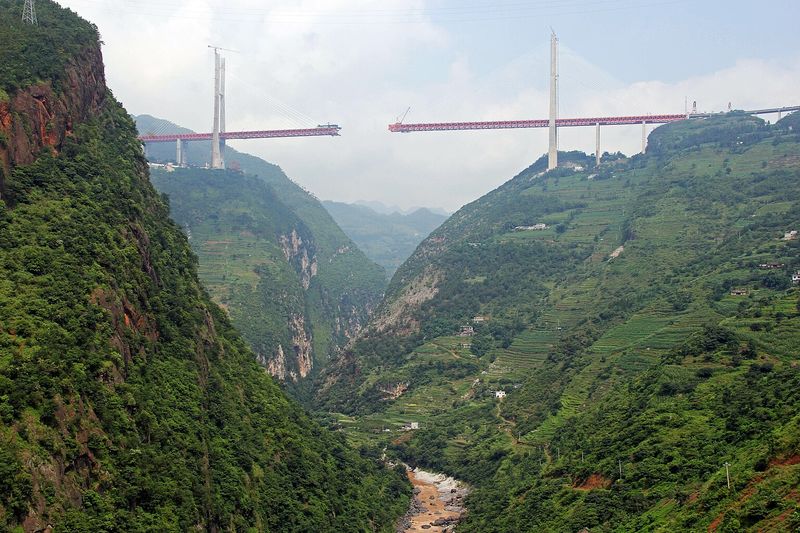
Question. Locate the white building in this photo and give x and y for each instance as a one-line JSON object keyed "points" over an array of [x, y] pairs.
{"points": [[535, 227], [790, 235], [466, 331], [500, 394], [796, 277]]}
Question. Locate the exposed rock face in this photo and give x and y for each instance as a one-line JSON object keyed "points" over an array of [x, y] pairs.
{"points": [[398, 315], [301, 346], [394, 390], [36, 117], [302, 362], [297, 253], [276, 366]]}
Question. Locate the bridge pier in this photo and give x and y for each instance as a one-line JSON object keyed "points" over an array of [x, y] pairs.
{"points": [[597, 148], [644, 136], [181, 157]]}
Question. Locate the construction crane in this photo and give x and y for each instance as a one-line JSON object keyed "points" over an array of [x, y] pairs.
{"points": [[553, 122]]}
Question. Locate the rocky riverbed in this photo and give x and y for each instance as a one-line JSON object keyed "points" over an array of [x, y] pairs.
{"points": [[438, 503]]}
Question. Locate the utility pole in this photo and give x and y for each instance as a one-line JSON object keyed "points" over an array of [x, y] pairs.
{"points": [[728, 474], [29, 13], [552, 154]]}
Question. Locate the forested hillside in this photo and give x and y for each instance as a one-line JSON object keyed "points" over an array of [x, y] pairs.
{"points": [[267, 246], [589, 346], [388, 239], [294, 305], [127, 400]]}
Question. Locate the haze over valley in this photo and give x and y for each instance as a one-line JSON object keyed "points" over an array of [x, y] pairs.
{"points": [[560, 292]]}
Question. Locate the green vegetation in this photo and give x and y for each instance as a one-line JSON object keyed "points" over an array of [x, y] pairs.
{"points": [[127, 400], [34, 54], [262, 263], [617, 334], [246, 224], [387, 239]]}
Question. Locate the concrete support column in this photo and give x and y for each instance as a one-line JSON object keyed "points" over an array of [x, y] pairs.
{"points": [[644, 136], [597, 148], [181, 156]]}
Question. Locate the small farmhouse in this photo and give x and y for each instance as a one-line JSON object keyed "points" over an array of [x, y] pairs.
{"points": [[739, 292], [466, 331], [535, 227], [790, 235], [500, 394]]}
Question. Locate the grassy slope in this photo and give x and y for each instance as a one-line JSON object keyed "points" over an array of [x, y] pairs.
{"points": [[632, 359], [127, 400]]}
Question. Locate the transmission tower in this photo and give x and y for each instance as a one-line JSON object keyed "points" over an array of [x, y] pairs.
{"points": [[29, 13]]}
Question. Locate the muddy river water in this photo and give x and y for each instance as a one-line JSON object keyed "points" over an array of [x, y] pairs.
{"points": [[438, 503]]}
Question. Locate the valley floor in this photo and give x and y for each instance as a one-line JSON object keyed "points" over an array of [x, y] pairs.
{"points": [[437, 504]]}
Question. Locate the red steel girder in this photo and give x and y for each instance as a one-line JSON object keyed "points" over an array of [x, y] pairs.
{"points": [[538, 123], [330, 129]]}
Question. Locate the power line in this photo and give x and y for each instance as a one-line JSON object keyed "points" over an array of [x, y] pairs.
{"points": [[480, 14]]}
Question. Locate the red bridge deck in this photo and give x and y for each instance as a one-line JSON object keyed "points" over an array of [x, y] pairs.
{"points": [[328, 129], [538, 123]]}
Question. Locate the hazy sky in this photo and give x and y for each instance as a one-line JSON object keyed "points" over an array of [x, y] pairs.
{"points": [[361, 63]]}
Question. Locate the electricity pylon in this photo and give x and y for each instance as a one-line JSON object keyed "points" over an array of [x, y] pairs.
{"points": [[29, 13]]}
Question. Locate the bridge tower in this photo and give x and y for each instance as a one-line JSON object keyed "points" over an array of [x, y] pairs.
{"points": [[552, 154], [216, 156], [222, 112]]}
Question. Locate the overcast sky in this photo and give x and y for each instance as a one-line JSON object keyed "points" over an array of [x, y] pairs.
{"points": [[361, 63]]}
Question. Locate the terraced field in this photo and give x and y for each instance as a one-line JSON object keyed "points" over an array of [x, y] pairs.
{"points": [[528, 351]]}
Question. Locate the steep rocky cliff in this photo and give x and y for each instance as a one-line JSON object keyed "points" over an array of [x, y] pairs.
{"points": [[42, 114], [127, 400], [292, 283]]}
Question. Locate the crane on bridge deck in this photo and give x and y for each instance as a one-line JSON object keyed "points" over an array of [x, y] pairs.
{"points": [[553, 122]]}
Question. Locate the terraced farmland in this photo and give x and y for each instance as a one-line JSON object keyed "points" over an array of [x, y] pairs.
{"points": [[528, 351]]}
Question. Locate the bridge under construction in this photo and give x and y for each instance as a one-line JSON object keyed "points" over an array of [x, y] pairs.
{"points": [[218, 135], [553, 122]]}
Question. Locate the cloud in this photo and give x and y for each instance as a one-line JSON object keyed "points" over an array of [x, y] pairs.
{"points": [[333, 61]]}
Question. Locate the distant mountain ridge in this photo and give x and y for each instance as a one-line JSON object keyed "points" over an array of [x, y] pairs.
{"points": [[384, 209], [386, 238]]}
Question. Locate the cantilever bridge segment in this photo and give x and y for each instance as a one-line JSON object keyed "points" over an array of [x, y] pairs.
{"points": [[644, 120], [218, 135], [553, 122]]}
